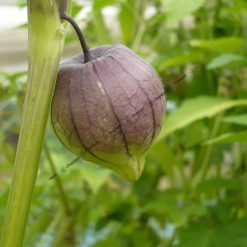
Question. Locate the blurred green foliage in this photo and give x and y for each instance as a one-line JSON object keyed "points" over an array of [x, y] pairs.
{"points": [[193, 191]]}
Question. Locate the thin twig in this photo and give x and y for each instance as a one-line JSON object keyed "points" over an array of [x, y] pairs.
{"points": [[58, 182]]}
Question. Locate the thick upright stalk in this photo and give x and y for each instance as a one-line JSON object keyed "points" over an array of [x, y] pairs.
{"points": [[45, 44]]}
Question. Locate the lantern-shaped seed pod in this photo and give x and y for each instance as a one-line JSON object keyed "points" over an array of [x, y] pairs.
{"points": [[109, 109]]}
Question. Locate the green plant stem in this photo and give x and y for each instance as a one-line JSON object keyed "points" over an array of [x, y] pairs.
{"points": [[202, 173], [141, 26], [217, 11], [181, 170], [45, 45], [51, 227], [245, 176], [58, 182], [138, 37], [37, 226], [63, 229], [63, 196]]}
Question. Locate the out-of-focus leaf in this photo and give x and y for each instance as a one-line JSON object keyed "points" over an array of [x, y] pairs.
{"points": [[224, 59], [76, 8], [127, 20], [180, 8], [21, 3], [107, 242], [161, 204], [167, 204], [93, 175], [217, 183], [37, 226], [162, 154], [101, 31], [229, 44], [229, 235], [98, 5], [194, 135], [229, 138], [181, 60], [166, 232], [189, 237], [238, 119], [194, 109]]}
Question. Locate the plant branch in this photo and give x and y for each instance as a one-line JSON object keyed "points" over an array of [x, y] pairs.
{"points": [[58, 182], [205, 164]]}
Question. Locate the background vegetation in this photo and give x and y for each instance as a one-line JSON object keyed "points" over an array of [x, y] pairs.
{"points": [[193, 191]]}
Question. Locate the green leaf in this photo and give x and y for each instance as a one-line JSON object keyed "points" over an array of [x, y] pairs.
{"points": [[228, 44], [238, 119], [162, 204], [195, 109], [162, 154], [229, 138], [127, 20], [217, 183], [98, 5], [169, 205], [21, 3], [100, 29], [178, 9], [229, 235], [107, 242], [224, 59], [75, 10], [189, 237], [183, 59], [94, 175]]}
